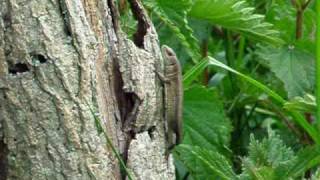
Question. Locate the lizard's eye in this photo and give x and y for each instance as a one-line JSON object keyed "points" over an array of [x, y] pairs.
{"points": [[170, 53]]}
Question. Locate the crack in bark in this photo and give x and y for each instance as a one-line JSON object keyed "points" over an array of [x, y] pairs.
{"points": [[114, 15], [143, 24], [69, 31], [127, 105], [63, 12], [3, 160]]}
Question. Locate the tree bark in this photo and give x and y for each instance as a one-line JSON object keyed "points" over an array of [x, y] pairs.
{"points": [[59, 59]]}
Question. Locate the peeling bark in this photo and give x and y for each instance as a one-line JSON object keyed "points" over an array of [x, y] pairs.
{"points": [[57, 58]]}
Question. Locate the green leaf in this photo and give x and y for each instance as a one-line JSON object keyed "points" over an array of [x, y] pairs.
{"points": [[174, 15], [304, 104], [258, 173], [307, 158], [296, 116], [295, 68], [236, 15], [271, 159], [203, 163], [267, 158], [316, 175], [283, 17], [205, 123], [270, 152], [254, 82], [194, 72]]}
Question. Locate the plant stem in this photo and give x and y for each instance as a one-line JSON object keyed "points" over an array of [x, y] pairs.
{"points": [[299, 17], [241, 49], [318, 65], [230, 59], [299, 23], [204, 53], [230, 49]]}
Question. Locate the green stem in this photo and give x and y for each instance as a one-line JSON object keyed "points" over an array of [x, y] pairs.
{"points": [[230, 59], [241, 47], [230, 50], [204, 53], [318, 64]]}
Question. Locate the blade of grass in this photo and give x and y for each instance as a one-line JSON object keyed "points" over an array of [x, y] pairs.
{"points": [[256, 83], [296, 116], [194, 72], [101, 130], [318, 64]]}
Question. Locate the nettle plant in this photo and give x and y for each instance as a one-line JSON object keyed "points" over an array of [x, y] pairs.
{"points": [[249, 83]]}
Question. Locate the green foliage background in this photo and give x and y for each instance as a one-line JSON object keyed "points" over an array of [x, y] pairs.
{"points": [[249, 85]]}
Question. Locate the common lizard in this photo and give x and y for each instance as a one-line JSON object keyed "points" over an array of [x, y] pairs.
{"points": [[173, 96]]}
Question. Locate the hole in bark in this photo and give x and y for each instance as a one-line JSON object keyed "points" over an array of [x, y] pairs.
{"points": [[18, 68], [67, 30], [142, 26], [7, 20], [120, 94], [127, 102], [7, 52], [39, 57], [130, 98], [3, 160], [151, 131]]}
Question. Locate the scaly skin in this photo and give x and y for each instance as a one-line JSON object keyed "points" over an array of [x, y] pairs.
{"points": [[173, 92]]}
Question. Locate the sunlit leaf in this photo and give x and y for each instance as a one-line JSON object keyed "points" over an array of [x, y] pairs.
{"points": [[236, 15], [296, 116], [174, 15], [205, 164], [295, 68], [205, 123], [304, 104]]}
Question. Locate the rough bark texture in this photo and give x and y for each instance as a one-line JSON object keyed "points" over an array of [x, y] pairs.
{"points": [[58, 59]]}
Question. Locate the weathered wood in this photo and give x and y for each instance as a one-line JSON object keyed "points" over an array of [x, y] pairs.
{"points": [[56, 58]]}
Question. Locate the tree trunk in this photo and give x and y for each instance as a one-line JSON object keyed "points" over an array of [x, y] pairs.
{"points": [[61, 63]]}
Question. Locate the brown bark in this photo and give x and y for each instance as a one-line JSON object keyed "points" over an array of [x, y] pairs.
{"points": [[57, 58]]}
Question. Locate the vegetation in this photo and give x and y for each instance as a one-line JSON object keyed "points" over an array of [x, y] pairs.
{"points": [[250, 78]]}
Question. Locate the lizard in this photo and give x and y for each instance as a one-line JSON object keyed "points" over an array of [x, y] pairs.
{"points": [[173, 96]]}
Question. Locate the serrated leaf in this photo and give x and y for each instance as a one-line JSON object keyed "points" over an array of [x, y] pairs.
{"points": [[296, 116], [258, 173], [295, 68], [306, 159], [174, 15], [238, 16], [203, 163], [284, 18], [270, 152], [205, 123], [267, 158]]}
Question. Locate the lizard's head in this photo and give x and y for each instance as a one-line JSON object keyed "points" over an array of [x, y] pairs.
{"points": [[169, 54]]}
